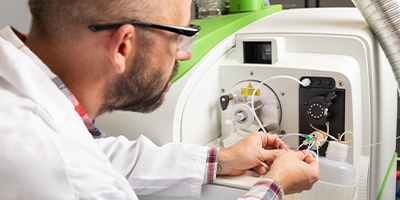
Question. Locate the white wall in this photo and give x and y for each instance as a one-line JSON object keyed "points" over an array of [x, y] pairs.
{"points": [[15, 13]]}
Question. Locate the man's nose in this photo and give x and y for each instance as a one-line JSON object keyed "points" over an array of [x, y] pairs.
{"points": [[183, 56]]}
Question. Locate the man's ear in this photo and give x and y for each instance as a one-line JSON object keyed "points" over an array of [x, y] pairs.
{"points": [[121, 46]]}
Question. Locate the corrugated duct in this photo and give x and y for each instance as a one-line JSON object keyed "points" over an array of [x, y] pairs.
{"points": [[383, 17]]}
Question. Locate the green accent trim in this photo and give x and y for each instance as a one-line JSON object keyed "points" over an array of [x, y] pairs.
{"points": [[214, 30], [387, 176]]}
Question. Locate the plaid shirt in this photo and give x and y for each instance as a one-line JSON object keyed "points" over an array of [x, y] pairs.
{"points": [[212, 155], [78, 108], [211, 165], [265, 189]]}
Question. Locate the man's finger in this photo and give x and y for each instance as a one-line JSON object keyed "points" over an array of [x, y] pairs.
{"points": [[271, 141], [309, 159], [260, 169], [269, 156]]}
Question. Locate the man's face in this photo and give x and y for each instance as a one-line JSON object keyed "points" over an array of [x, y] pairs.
{"points": [[142, 88]]}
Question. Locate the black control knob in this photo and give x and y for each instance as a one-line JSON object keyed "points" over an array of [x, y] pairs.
{"points": [[317, 108], [224, 101]]}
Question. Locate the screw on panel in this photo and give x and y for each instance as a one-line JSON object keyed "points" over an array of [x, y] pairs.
{"points": [[305, 103], [283, 93], [283, 132], [251, 73], [340, 83], [222, 90]]}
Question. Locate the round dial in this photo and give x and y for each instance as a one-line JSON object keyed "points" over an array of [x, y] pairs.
{"points": [[316, 110]]}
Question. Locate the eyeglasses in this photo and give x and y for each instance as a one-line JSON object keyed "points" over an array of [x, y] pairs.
{"points": [[185, 40]]}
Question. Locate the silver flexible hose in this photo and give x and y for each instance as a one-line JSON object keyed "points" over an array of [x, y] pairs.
{"points": [[383, 17]]}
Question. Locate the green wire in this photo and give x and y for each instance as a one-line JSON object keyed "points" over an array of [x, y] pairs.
{"points": [[387, 176]]}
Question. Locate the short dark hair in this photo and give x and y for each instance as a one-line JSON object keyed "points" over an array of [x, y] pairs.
{"points": [[62, 19]]}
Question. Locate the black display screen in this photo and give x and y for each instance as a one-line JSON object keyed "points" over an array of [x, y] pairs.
{"points": [[257, 52]]}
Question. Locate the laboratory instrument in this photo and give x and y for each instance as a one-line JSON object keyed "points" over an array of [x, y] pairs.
{"points": [[351, 96]]}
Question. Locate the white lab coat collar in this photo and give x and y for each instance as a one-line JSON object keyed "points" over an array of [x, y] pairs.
{"points": [[28, 74], [8, 34]]}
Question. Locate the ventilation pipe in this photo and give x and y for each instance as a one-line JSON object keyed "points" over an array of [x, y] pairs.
{"points": [[383, 17]]}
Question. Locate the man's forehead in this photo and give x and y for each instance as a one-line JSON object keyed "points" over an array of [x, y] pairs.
{"points": [[182, 12]]}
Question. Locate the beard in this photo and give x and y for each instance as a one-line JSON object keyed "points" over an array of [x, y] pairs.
{"points": [[138, 90]]}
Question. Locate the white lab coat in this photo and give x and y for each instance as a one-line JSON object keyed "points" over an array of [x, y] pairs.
{"points": [[46, 152]]}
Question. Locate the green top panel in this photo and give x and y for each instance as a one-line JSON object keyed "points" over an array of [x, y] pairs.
{"points": [[214, 30]]}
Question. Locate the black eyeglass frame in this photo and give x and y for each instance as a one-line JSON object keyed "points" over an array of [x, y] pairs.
{"points": [[188, 31]]}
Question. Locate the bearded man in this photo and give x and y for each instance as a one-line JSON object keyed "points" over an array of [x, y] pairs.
{"points": [[86, 57]]}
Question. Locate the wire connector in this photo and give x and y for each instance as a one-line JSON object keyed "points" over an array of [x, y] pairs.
{"points": [[305, 82]]}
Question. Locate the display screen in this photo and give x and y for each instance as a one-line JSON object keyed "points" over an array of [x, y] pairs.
{"points": [[257, 52]]}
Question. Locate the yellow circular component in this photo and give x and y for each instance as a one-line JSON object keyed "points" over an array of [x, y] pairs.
{"points": [[320, 135]]}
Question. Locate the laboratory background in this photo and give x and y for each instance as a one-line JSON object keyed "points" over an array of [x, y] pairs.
{"points": [[16, 12], [244, 79]]}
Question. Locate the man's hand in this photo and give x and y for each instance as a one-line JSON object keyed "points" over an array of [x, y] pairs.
{"points": [[293, 174], [248, 153]]}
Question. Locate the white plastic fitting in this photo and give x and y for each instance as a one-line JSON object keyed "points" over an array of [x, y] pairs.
{"points": [[306, 82]]}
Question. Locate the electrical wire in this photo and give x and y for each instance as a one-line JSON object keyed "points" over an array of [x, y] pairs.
{"points": [[363, 146], [332, 137], [327, 128], [339, 140], [326, 133], [346, 142]]}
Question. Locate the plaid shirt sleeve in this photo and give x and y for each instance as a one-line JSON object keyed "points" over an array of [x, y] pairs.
{"points": [[265, 189], [211, 165]]}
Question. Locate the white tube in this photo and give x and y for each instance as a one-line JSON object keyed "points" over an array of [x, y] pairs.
{"points": [[290, 134], [308, 149], [306, 82], [376, 144], [315, 155]]}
